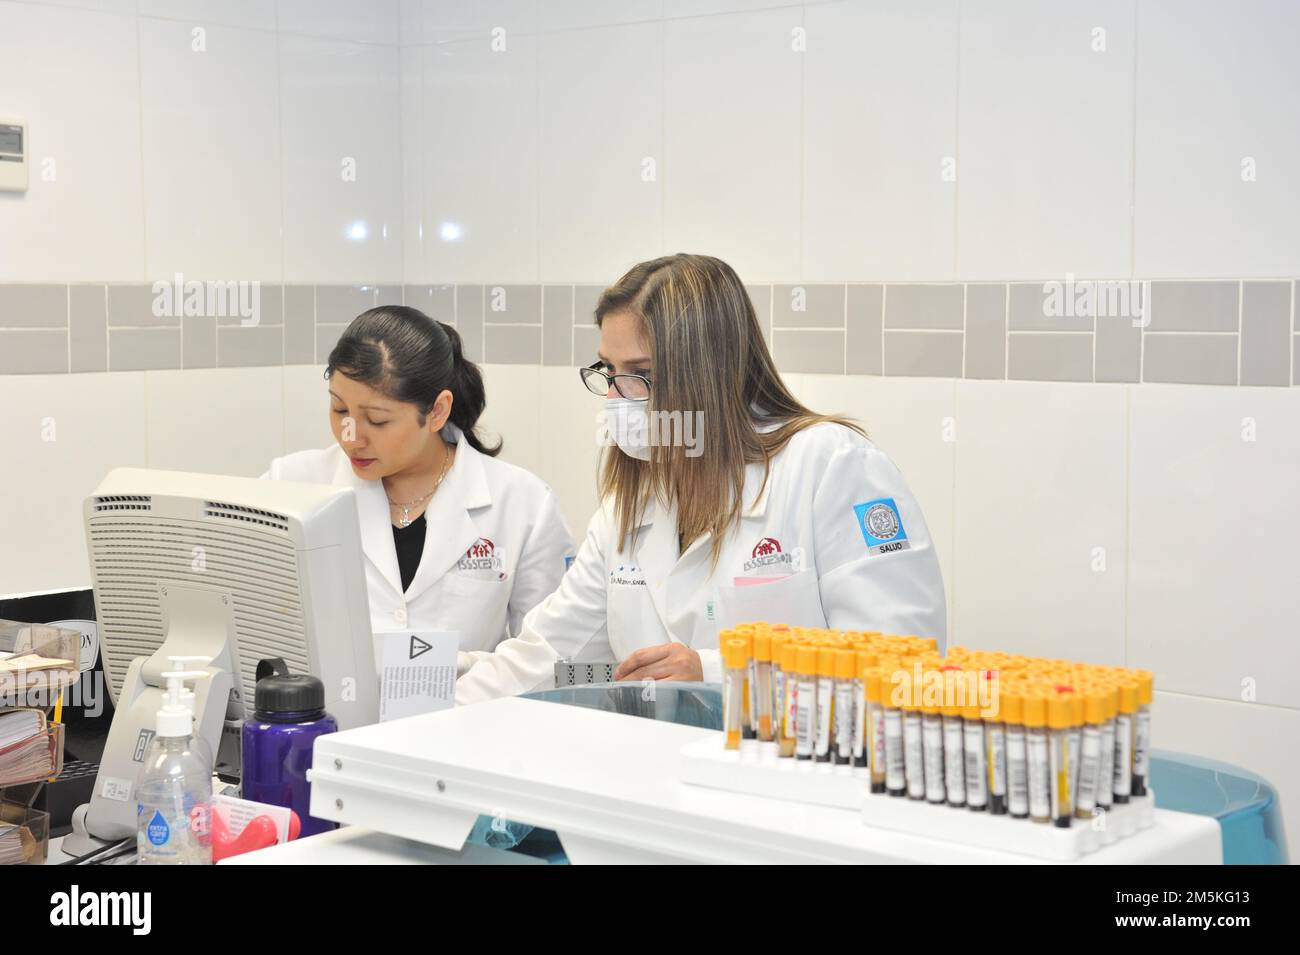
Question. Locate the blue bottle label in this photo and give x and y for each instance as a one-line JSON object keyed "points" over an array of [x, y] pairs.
{"points": [[159, 831]]}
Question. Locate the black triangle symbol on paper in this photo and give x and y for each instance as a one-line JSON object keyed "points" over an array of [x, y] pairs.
{"points": [[418, 647]]}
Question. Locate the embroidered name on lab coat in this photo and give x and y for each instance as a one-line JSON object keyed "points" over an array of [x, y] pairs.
{"points": [[881, 526], [626, 576]]}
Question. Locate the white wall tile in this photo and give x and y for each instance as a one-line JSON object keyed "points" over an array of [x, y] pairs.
{"points": [[438, 21], [512, 413], [340, 104], [215, 421], [411, 101], [1217, 83], [1251, 736], [599, 214], [1214, 519], [1040, 485], [68, 431], [731, 163], [880, 116], [71, 74], [480, 161], [375, 21], [568, 453], [908, 419], [211, 153], [579, 14], [306, 409], [1046, 140]]}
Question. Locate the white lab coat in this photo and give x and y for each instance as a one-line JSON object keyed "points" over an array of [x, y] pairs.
{"points": [[496, 544], [808, 535]]}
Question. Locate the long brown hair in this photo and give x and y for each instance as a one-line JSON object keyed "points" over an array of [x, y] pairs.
{"points": [[708, 356]]}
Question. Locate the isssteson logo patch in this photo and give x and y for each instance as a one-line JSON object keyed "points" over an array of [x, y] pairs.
{"points": [[881, 526], [481, 556], [767, 553]]}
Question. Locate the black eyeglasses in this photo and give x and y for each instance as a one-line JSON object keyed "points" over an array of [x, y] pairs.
{"points": [[634, 387]]}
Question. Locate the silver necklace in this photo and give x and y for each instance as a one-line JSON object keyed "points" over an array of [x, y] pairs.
{"points": [[405, 519]]}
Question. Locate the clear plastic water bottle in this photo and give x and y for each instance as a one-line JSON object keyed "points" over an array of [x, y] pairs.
{"points": [[174, 793]]}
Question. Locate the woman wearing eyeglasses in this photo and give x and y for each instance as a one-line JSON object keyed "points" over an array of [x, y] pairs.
{"points": [[724, 500]]}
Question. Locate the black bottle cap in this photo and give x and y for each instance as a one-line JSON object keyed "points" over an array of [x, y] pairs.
{"points": [[283, 697]]}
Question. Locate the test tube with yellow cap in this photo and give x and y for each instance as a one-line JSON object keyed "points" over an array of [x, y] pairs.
{"points": [[1076, 700], [825, 703], [875, 741], [1011, 703], [954, 766], [785, 739], [895, 763], [1125, 730], [735, 659], [1094, 715], [1036, 750], [1059, 713], [805, 702], [762, 675], [845, 664], [1106, 771], [995, 743], [1142, 732], [779, 639], [862, 661]]}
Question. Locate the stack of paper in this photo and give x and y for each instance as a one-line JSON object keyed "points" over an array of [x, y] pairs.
{"points": [[27, 750]]}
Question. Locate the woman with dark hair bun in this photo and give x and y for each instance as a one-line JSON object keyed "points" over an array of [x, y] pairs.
{"points": [[455, 539]]}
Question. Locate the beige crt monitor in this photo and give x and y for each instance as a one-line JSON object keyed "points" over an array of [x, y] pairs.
{"points": [[229, 570]]}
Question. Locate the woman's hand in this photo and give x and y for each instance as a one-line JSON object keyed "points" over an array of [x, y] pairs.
{"points": [[666, 661]]}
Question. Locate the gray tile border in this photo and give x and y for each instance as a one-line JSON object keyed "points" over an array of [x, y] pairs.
{"points": [[557, 325], [809, 350], [1118, 350], [1032, 306], [922, 354], [268, 308], [864, 315], [34, 306], [33, 351], [1295, 360], [1045, 356], [339, 304], [250, 347], [586, 343], [143, 349], [1265, 328], [986, 332], [469, 320], [199, 341], [910, 306], [131, 306], [436, 301], [513, 305], [1194, 306], [1190, 359], [809, 305], [327, 336], [585, 298], [88, 327], [299, 325], [513, 344], [388, 295]]}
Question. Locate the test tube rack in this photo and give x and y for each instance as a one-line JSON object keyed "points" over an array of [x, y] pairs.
{"points": [[756, 770]]}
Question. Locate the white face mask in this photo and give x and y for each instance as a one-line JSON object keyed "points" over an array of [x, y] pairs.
{"points": [[628, 425]]}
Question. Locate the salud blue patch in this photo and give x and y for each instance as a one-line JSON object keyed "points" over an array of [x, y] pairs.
{"points": [[881, 526]]}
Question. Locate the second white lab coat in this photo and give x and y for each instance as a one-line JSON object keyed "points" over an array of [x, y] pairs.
{"points": [[495, 545], [835, 539]]}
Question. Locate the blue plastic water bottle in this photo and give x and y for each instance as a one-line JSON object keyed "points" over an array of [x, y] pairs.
{"points": [[288, 715]]}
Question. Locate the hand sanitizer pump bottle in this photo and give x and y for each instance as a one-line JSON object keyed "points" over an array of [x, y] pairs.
{"points": [[174, 793]]}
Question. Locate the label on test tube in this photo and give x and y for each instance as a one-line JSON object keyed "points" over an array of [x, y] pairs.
{"points": [[1089, 767], [1142, 745], [1123, 757], [977, 794], [954, 767], [932, 742], [1075, 733], [876, 714], [1062, 808], [1105, 771], [1040, 800], [778, 698], [996, 777], [1017, 772], [805, 701], [895, 777], [844, 721], [750, 725], [825, 718], [913, 755], [859, 736]]}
